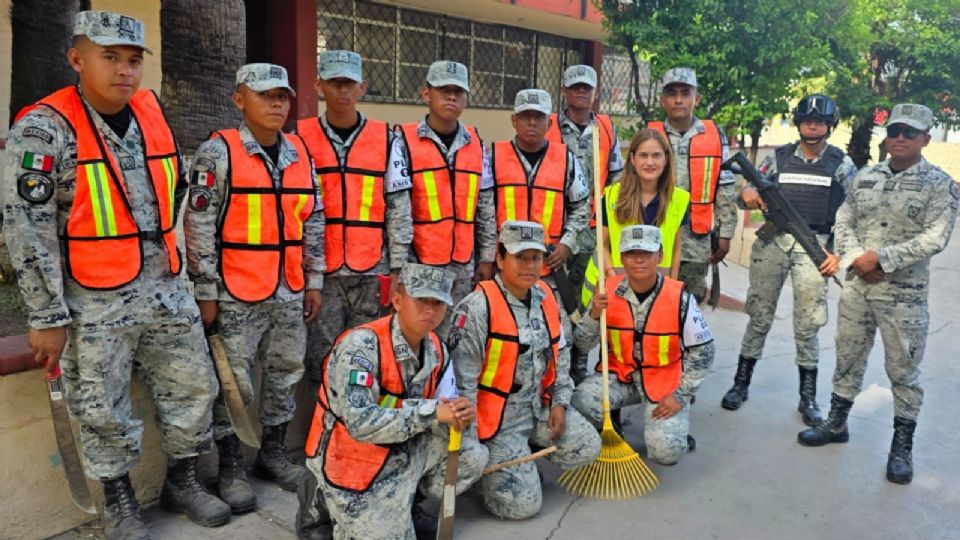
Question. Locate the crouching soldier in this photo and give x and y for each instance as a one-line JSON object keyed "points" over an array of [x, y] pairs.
{"points": [[385, 407]]}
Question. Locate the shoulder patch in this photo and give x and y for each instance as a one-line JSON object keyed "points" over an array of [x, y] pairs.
{"points": [[204, 164], [35, 188], [202, 178], [360, 361], [33, 161], [38, 133], [361, 378], [200, 198]]}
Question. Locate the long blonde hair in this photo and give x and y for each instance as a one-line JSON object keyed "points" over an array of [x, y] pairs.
{"points": [[629, 208]]}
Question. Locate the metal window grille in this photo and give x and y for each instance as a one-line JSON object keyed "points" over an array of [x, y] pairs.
{"points": [[399, 44], [616, 84]]}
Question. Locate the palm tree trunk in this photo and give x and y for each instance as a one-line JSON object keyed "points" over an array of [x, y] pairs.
{"points": [[204, 43], [42, 31], [859, 147]]}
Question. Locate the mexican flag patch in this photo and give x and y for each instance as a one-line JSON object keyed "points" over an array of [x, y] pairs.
{"points": [[361, 378], [203, 178], [37, 162]]}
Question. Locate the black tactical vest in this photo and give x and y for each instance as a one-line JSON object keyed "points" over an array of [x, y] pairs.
{"points": [[810, 187]]}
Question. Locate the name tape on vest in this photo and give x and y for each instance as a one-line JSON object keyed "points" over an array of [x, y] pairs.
{"points": [[806, 179]]}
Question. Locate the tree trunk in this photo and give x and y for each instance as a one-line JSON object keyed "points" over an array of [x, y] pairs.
{"points": [[755, 130], [859, 147], [42, 32], [203, 46]]}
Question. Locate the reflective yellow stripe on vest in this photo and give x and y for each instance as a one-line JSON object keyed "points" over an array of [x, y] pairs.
{"points": [[471, 197], [103, 217], [388, 402], [432, 201], [664, 350], [253, 218], [511, 202], [551, 196], [493, 363], [301, 202], [171, 183], [709, 164], [366, 199], [614, 342]]}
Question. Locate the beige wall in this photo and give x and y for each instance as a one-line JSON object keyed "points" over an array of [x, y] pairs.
{"points": [[6, 55]]}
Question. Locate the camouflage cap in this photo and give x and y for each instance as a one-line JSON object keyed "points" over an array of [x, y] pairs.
{"points": [[107, 29], [446, 73], [913, 115], [263, 77], [579, 73], [517, 236], [422, 281], [340, 64], [640, 238], [680, 75], [533, 99]]}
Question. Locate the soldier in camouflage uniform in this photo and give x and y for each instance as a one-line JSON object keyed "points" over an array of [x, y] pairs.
{"points": [[640, 294], [508, 346], [446, 91], [813, 175], [381, 428], [116, 305], [347, 148], [679, 99], [574, 127], [897, 215], [260, 310]]}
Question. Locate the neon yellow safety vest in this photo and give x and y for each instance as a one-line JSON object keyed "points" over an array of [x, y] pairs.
{"points": [[676, 210]]}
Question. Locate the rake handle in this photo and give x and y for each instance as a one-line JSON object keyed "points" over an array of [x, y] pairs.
{"points": [[601, 281], [517, 461]]}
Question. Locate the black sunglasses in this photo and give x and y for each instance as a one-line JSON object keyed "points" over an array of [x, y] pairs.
{"points": [[908, 132]]}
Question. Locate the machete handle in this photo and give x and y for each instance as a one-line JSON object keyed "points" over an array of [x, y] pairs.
{"points": [[53, 374]]}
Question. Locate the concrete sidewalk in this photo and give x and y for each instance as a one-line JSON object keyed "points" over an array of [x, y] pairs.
{"points": [[748, 478]]}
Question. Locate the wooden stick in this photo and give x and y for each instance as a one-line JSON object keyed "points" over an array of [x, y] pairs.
{"points": [[519, 460], [601, 281]]}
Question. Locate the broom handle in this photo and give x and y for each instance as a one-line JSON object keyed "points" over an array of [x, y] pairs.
{"points": [[601, 282], [529, 457]]}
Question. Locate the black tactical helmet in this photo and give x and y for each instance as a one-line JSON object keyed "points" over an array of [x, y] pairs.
{"points": [[817, 107]]}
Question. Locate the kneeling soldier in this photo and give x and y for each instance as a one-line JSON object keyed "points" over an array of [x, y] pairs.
{"points": [[510, 353], [674, 352], [380, 429]]}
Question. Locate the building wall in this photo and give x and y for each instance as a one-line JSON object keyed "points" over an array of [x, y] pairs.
{"points": [[6, 61]]}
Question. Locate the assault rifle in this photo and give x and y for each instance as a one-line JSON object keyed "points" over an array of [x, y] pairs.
{"points": [[781, 216], [567, 295]]}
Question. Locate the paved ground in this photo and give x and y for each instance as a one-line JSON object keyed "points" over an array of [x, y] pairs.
{"points": [[748, 478]]}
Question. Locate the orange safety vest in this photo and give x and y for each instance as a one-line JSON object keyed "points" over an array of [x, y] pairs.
{"points": [[353, 197], [347, 463], [104, 244], [495, 383], [704, 160], [541, 200], [606, 146], [253, 251], [661, 353], [443, 208]]}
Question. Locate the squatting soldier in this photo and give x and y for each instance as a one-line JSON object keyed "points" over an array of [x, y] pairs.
{"points": [[368, 228], [451, 188], [254, 237], [94, 184], [897, 215], [650, 318], [380, 431], [511, 355], [700, 147], [541, 181], [813, 176]]}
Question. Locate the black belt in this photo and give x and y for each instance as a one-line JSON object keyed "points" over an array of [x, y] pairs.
{"points": [[154, 235]]}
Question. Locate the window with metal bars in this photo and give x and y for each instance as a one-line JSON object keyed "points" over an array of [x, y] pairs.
{"points": [[617, 97], [399, 44]]}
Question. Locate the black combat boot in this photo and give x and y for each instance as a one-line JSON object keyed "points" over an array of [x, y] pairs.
{"points": [[121, 512], [900, 460], [273, 463], [808, 397], [234, 488], [834, 430], [424, 521], [313, 519], [184, 494], [741, 381]]}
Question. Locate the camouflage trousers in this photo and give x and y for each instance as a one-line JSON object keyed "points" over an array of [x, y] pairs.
{"points": [[769, 267], [383, 511], [694, 275], [577, 264], [515, 492], [170, 357], [666, 440], [903, 321], [273, 332], [348, 302]]}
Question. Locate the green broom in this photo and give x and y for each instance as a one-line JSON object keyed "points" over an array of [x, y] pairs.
{"points": [[618, 473]]}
